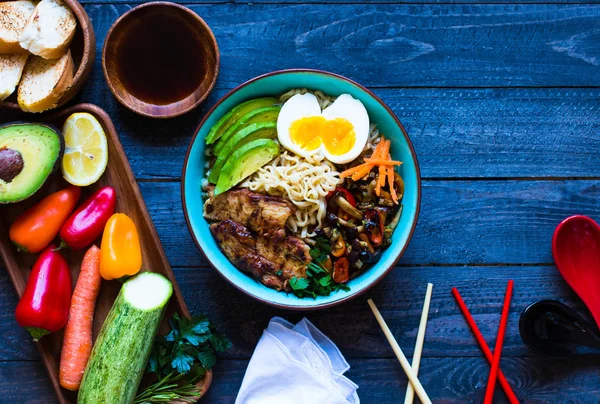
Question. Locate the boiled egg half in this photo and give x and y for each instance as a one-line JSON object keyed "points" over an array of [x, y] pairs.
{"points": [[339, 132]]}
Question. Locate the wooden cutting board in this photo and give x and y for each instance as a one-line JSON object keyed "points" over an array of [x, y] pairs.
{"points": [[118, 174]]}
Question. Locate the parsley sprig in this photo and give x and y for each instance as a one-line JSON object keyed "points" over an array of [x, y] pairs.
{"points": [[317, 282], [181, 358]]}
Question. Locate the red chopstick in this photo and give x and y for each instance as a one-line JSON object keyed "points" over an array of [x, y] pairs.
{"points": [[510, 395], [489, 391]]}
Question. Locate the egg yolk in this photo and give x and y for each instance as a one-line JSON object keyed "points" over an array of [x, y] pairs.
{"points": [[337, 135]]}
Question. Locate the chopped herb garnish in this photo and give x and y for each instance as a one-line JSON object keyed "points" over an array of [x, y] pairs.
{"points": [[298, 284], [318, 282], [321, 249]]}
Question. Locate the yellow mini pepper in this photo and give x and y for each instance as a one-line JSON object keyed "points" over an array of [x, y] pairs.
{"points": [[120, 252]]}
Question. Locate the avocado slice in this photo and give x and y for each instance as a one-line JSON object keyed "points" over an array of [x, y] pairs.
{"points": [[236, 113], [264, 114], [246, 161], [260, 130], [29, 153]]}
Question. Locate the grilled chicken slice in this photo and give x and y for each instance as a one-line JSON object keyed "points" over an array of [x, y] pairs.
{"points": [[272, 259], [260, 213], [239, 246], [288, 253]]}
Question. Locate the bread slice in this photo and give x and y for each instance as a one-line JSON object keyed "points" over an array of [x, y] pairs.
{"points": [[11, 68], [13, 17], [50, 29], [44, 82]]}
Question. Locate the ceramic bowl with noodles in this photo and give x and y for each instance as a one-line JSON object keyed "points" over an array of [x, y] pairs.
{"points": [[301, 188]]}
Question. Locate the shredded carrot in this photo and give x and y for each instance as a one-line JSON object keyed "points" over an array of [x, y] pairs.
{"points": [[380, 162], [365, 169], [378, 149], [381, 159], [362, 168], [379, 184], [384, 152], [390, 170], [351, 171]]}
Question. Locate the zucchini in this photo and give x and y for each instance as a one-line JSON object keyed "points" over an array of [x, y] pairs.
{"points": [[120, 354]]}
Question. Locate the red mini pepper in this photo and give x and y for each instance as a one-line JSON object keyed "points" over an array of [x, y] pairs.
{"points": [[345, 193], [44, 306], [87, 223]]}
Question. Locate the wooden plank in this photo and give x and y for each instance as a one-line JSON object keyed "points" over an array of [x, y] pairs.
{"points": [[15, 342], [448, 380], [413, 45], [25, 382], [461, 222], [399, 297], [475, 133], [349, 2]]}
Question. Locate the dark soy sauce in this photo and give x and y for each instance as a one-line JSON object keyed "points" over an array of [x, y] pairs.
{"points": [[160, 59]]}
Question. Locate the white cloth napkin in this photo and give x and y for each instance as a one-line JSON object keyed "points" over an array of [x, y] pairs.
{"points": [[296, 364]]}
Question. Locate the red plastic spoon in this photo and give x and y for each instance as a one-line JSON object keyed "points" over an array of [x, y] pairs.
{"points": [[576, 251]]}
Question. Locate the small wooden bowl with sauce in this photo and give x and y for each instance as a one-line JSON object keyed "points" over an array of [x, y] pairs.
{"points": [[160, 59]]}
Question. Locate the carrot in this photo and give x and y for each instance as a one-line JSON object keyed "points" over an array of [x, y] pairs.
{"points": [[381, 159], [77, 342], [382, 171], [379, 162], [390, 170], [380, 180], [352, 170], [366, 169], [377, 151]]}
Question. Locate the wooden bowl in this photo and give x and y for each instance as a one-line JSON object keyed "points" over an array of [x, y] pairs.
{"points": [[83, 51], [123, 27]]}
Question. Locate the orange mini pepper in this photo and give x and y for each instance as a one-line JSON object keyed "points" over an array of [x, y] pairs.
{"points": [[39, 225], [120, 252]]}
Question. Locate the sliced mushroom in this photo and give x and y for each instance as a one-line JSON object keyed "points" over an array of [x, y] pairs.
{"points": [[348, 208]]}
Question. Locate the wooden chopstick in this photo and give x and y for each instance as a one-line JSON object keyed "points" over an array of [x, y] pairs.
{"points": [[511, 396], [489, 391], [410, 392], [412, 377]]}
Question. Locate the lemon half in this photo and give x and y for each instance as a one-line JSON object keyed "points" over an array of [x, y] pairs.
{"points": [[86, 149]]}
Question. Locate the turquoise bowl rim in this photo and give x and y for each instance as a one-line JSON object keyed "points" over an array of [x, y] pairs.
{"points": [[309, 303]]}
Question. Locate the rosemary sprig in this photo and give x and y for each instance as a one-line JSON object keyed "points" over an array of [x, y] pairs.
{"points": [[168, 389]]}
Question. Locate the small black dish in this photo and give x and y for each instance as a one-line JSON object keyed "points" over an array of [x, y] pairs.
{"points": [[552, 328]]}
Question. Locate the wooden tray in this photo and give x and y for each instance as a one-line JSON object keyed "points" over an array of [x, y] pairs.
{"points": [[118, 174]]}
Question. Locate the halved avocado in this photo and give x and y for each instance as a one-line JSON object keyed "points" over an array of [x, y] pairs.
{"points": [[246, 161], [29, 153], [261, 130], [265, 114], [236, 113]]}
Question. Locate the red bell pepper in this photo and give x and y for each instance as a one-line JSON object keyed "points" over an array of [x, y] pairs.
{"points": [[44, 306], [87, 223], [345, 193]]}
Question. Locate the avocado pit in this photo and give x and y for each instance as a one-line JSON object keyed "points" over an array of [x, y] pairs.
{"points": [[11, 164]]}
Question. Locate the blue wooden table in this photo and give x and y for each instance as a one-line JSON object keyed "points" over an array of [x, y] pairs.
{"points": [[502, 103]]}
